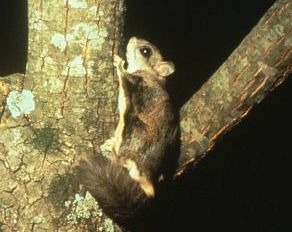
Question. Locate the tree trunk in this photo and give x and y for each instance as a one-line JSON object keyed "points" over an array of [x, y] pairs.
{"points": [[65, 107]]}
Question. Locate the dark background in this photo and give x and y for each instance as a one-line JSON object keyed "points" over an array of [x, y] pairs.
{"points": [[242, 185]]}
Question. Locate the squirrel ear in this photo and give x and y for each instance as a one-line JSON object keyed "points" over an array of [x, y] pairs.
{"points": [[164, 68]]}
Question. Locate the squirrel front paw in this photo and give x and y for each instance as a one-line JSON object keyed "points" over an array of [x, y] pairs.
{"points": [[107, 148], [118, 61]]}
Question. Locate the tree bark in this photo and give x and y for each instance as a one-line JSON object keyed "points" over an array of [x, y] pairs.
{"points": [[260, 63], [65, 106]]}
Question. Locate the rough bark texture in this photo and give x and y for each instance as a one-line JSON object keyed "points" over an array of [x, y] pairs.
{"points": [[64, 106], [261, 62]]}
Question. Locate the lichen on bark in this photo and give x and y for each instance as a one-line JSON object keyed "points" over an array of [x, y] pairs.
{"points": [[71, 80], [260, 63]]}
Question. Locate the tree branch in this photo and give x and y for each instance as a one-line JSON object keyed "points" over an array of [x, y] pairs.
{"points": [[260, 63]]}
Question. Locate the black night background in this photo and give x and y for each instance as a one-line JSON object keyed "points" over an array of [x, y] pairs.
{"points": [[242, 185]]}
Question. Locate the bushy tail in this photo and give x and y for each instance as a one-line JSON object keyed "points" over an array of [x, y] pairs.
{"points": [[120, 197]]}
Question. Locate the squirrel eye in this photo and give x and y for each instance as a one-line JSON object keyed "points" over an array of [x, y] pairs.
{"points": [[146, 52]]}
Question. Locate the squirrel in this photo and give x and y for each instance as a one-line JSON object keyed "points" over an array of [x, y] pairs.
{"points": [[125, 184]]}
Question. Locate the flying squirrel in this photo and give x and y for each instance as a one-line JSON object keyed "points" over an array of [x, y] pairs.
{"points": [[125, 183]]}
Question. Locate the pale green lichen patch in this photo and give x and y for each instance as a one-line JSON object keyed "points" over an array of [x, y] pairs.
{"points": [[103, 32], [222, 84], [39, 219], [20, 103], [39, 25], [15, 135], [86, 30], [75, 67], [76, 3], [108, 226], [279, 29], [85, 208], [91, 32], [53, 85], [58, 40], [94, 11], [13, 160], [82, 208], [274, 34], [12, 157]]}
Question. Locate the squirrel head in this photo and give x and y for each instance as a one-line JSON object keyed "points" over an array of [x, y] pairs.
{"points": [[144, 56]]}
